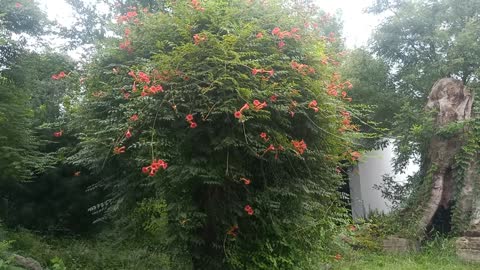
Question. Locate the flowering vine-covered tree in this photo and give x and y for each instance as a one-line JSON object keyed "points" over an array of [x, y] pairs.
{"points": [[231, 113]]}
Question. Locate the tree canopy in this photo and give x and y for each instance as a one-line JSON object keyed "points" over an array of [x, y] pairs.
{"points": [[424, 41]]}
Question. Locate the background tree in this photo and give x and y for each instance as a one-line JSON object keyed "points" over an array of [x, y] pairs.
{"points": [[422, 42], [373, 94], [33, 104], [19, 147]]}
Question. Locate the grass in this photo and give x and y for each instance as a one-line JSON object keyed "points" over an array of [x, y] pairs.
{"points": [[108, 254], [437, 255], [85, 254]]}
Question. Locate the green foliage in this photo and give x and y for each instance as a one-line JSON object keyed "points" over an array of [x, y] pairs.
{"points": [[27, 18], [95, 20], [109, 255], [19, 155], [183, 217], [57, 195], [414, 128], [466, 159], [103, 252], [368, 234], [372, 86], [5, 260], [18, 146], [361, 237], [47, 98], [393, 191], [403, 220], [22, 21], [450, 130], [57, 264], [30, 103], [152, 216], [428, 40], [200, 195]]}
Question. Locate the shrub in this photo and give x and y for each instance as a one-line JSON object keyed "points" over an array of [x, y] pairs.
{"points": [[231, 113]]}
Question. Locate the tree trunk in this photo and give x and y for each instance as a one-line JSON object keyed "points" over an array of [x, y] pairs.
{"points": [[453, 102]]}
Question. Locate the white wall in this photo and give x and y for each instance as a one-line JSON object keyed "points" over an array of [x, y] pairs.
{"points": [[369, 171]]}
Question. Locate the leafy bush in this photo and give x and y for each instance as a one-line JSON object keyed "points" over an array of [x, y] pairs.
{"points": [[230, 113], [103, 252]]}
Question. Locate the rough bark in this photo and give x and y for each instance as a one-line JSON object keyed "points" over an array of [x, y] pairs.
{"points": [[453, 102]]}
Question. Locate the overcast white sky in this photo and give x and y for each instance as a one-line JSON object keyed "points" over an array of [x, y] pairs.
{"points": [[357, 25]]}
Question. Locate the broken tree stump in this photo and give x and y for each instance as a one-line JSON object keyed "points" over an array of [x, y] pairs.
{"points": [[453, 103], [452, 166]]}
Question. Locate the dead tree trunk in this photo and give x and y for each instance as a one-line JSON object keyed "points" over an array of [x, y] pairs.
{"points": [[453, 102]]}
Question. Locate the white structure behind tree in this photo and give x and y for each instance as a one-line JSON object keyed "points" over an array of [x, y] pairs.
{"points": [[369, 172]]}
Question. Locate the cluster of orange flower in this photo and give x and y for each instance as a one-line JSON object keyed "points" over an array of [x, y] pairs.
{"points": [[154, 167], [347, 122], [302, 68], [300, 146], [59, 76], [189, 119], [199, 38], [285, 34], [196, 5], [129, 16]]}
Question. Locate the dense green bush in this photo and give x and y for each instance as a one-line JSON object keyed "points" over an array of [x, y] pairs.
{"points": [[234, 114], [103, 252]]}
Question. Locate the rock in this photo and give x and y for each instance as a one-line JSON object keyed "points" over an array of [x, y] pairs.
{"points": [[400, 245], [468, 248], [26, 262], [468, 243]]}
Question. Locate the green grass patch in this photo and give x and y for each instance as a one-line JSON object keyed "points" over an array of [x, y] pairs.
{"points": [[438, 254]]}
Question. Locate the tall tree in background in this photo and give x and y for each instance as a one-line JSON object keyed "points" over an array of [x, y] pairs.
{"points": [[18, 146], [93, 19], [423, 42], [373, 94], [34, 101]]}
